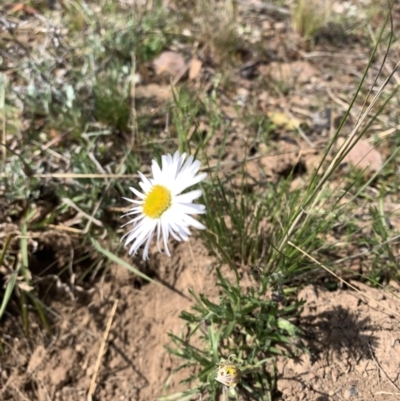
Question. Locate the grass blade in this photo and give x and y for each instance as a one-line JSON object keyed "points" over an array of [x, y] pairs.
{"points": [[121, 262], [7, 294]]}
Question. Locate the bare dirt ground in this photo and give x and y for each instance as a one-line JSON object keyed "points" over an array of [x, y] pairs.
{"points": [[135, 365], [354, 344], [352, 337]]}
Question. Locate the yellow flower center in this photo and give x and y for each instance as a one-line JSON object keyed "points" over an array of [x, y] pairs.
{"points": [[157, 202], [231, 370]]}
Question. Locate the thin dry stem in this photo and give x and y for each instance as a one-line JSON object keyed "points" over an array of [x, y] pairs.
{"points": [[381, 369], [349, 140], [342, 280], [331, 167], [92, 387]]}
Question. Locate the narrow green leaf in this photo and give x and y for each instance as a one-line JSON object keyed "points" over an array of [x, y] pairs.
{"points": [[121, 262], [7, 294]]}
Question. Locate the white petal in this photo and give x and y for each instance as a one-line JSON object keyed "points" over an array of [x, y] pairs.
{"points": [[137, 193], [165, 232], [195, 167], [181, 160], [173, 234], [140, 236], [138, 228], [140, 208], [189, 196], [136, 209], [182, 231], [192, 208], [136, 232], [166, 161], [175, 164], [193, 222], [147, 246], [185, 208], [198, 178], [133, 200], [181, 185], [187, 164], [155, 168], [133, 221], [146, 185], [158, 236], [136, 245]]}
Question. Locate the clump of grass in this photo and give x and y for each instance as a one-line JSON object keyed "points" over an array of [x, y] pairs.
{"points": [[214, 25], [19, 281], [309, 16], [90, 87]]}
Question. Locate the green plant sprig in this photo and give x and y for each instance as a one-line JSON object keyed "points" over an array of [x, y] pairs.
{"points": [[251, 326]]}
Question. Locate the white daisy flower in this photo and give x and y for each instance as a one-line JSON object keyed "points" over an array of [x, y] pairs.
{"points": [[162, 207]]}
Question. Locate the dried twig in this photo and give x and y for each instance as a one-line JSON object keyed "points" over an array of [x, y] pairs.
{"points": [[1, 378], [342, 280], [92, 387], [381, 369]]}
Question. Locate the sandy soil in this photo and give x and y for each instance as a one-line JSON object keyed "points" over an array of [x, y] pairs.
{"points": [[353, 342], [354, 347]]}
